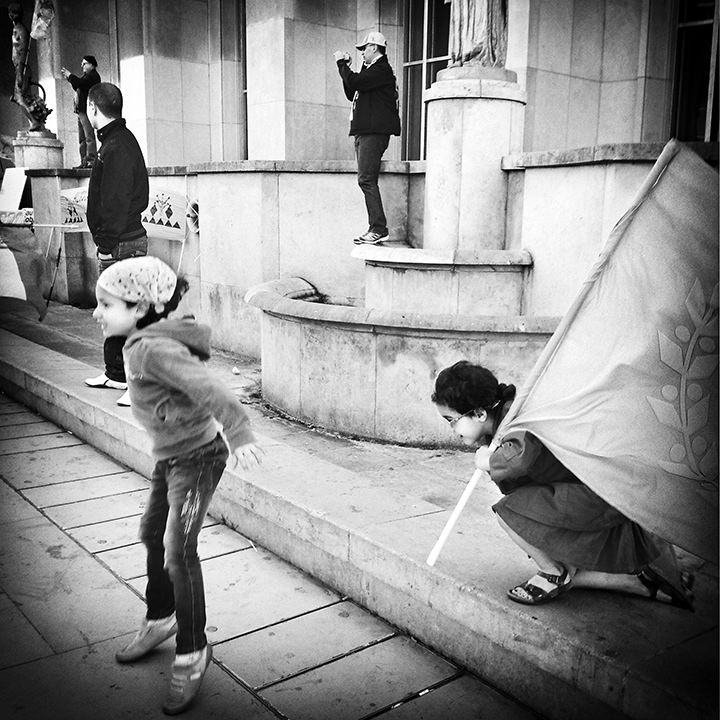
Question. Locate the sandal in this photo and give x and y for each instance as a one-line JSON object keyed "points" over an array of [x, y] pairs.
{"points": [[678, 597], [529, 594]]}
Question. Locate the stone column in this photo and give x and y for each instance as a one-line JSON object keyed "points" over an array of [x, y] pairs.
{"points": [[37, 150], [474, 117]]}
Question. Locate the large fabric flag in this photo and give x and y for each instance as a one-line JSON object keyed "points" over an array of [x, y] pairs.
{"points": [[626, 392]]}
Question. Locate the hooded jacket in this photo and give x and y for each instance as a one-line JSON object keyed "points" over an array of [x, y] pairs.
{"points": [[173, 394], [119, 190], [374, 96]]}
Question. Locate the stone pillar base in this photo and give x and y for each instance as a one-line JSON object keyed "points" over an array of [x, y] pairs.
{"points": [[474, 118], [38, 149]]}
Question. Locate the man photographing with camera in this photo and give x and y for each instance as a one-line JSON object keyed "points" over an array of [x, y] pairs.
{"points": [[374, 118]]}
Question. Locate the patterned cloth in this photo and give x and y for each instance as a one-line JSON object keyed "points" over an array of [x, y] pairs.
{"points": [[140, 279]]}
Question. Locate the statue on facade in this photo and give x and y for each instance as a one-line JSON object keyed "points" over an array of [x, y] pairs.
{"points": [[478, 32], [24, 94]]}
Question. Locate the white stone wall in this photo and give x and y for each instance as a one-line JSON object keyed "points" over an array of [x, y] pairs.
{"points": [[275, 222], [596, 72], [566, 215], [297, 109]]}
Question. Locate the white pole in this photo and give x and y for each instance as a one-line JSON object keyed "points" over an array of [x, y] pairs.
{"points": [[433, 556]]}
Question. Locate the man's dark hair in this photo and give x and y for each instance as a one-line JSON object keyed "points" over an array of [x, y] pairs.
{"points": [[107, 98], [91, 59], [381, 49]]}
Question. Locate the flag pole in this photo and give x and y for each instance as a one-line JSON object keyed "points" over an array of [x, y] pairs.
{"points": [[433, 556], [668, 153]]}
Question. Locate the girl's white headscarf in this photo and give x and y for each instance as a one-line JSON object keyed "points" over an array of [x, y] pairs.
{"points": [[140, 279]]}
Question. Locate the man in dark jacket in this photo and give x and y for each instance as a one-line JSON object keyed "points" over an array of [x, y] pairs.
{"points": [[374, 118], [81, 85], [117, 195]]}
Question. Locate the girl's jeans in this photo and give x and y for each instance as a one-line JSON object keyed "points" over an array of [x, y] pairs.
{"points": [[181, 489]]}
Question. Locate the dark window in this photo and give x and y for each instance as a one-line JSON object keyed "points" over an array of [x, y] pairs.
{"points": [[695, 113], [427, 32]]}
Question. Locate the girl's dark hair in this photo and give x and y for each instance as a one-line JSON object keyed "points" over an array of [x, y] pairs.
{"points": [[465, 387], [152, 316]]}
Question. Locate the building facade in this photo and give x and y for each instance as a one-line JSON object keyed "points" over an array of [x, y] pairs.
{"points": [[228, 80]]}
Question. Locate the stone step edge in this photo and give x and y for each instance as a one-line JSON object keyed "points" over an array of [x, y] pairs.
{"points": [[549, 681]]}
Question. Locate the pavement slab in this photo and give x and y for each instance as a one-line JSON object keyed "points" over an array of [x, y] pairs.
{"points": [[463, 698], [33, 443], [56, 465], [89, 512], [250, 589], [360, 683], [78, 490], [287, 648], [128, 561], [49, 578], [110, 534], [21, 642], [13, 506], [9, 432], [85, 684], [18, 418]]}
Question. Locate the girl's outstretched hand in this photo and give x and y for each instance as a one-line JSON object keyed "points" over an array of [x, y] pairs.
{"points": [[247, 456], [482, 458]]}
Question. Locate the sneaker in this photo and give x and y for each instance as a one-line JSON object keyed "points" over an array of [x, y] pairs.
{"points": [[371, 238], [104, 381], [149, 636], [187, 675], [124, 399]]}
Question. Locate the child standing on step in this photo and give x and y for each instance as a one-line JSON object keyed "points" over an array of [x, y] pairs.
{"points": [[177, 401], [574, 536]]}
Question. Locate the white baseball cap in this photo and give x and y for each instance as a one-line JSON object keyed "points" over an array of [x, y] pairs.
{"points": [[373, 38]]}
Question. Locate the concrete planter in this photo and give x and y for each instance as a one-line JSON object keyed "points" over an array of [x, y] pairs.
{"points": [[368, 372]]}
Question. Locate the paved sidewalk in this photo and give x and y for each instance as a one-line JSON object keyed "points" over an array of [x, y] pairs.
{"points": [[285, 645], [362, 517]]}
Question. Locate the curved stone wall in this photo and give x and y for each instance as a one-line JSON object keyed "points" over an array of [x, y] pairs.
{"points": [[369, 373]]}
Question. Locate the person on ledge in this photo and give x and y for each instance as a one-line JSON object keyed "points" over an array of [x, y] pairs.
{"points": [[117, 195], [373, 119], [81, 85]]}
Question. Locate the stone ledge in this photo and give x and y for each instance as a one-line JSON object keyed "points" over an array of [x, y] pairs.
{"points": [[392, 167], [407, 257], [593, 154], [267, 298], [398, 167]]}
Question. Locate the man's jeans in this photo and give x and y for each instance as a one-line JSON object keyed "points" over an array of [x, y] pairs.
{"points": [[113, 346], [86, 136], [180, 491], [369, 150]]}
